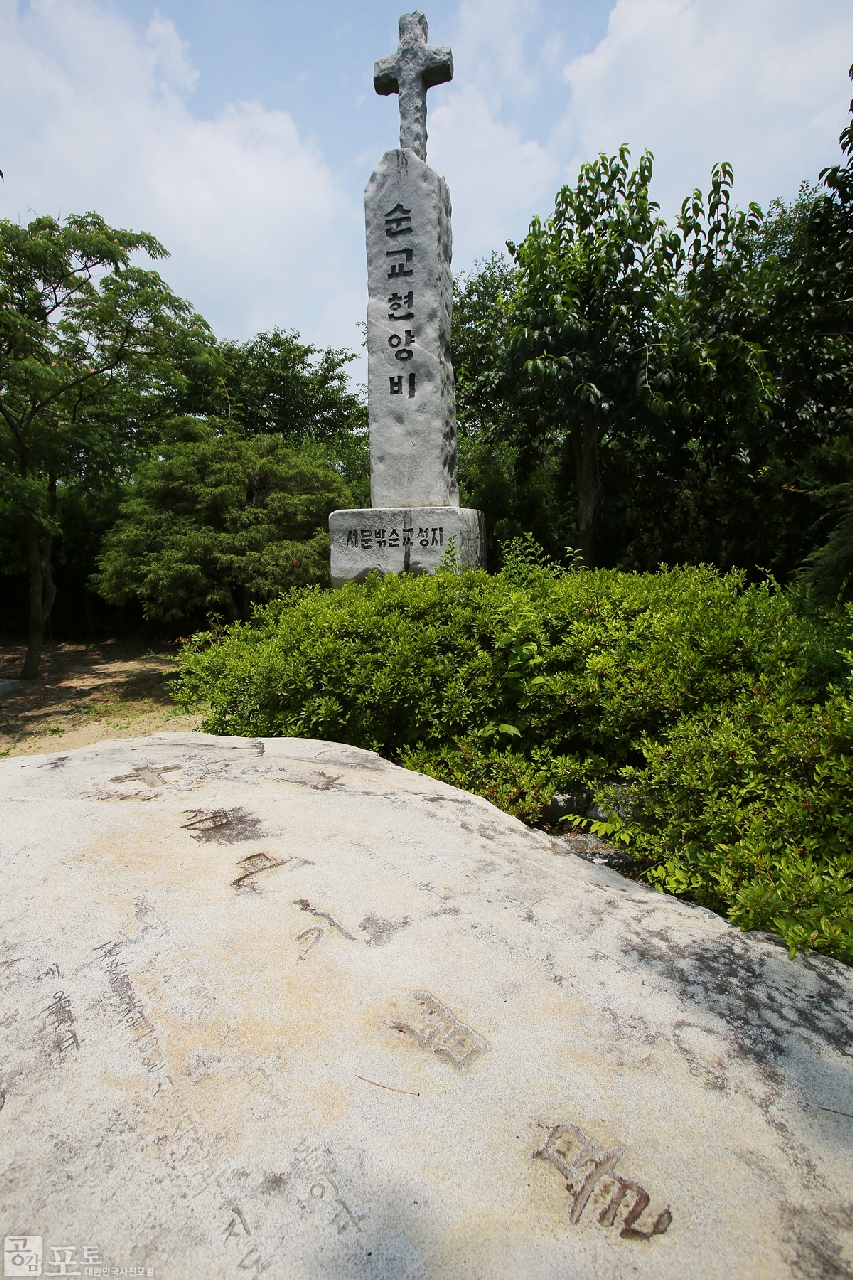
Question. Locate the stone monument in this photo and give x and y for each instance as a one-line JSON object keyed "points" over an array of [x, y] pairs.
{"points": [[278, 1008], [414, 489]]}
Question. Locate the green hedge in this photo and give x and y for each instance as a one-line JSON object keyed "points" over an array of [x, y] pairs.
{"points": [[747, 809], [717, 705]]}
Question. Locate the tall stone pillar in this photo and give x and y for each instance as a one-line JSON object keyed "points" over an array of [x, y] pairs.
{"points": [[414, 489], [410, 376]]}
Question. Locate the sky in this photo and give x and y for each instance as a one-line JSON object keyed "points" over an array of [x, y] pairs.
{"points": [[242, 134]]}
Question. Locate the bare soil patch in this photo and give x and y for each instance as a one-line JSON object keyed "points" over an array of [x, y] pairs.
{"points": [[86, 693]]}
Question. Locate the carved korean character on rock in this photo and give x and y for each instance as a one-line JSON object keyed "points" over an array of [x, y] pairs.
{"points": [[403, 268], [398, 221], [592, 1180], [435, 1027], [402, 347], [400, 306]]}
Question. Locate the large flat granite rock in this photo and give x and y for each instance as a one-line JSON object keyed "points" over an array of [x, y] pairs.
{"points": [[279, 1008]]}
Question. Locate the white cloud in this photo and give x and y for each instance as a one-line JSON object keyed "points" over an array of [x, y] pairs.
{"points": [[761, 83], [490, 45], [99, 115], [496, 178], [96, 116], [171, 55]]}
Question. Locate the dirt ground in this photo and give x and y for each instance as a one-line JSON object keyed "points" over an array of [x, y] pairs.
{"points": [[86, 693]]}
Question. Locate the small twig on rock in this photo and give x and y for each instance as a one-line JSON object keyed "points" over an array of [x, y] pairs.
{"points": [[387, 1086]]}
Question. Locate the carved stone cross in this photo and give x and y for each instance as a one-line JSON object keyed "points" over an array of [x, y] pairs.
{"points": [[414, 68]]}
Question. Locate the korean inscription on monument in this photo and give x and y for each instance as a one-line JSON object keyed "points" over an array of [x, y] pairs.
{"points": [[411, 400]]}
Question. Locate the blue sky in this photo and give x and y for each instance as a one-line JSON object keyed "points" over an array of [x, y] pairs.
{"points": [[315, 60], [242, 134]]}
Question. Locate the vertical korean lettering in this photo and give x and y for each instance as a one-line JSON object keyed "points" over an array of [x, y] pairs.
{"points": [[402, 350], [400, 268], [398, 221]]}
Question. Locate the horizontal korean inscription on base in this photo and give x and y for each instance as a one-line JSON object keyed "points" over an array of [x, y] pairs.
{"points": [[430, 536], [407, 540]]}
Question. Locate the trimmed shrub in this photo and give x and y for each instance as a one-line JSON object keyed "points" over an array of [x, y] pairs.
{"points": [[747, 810], [712, 701]]}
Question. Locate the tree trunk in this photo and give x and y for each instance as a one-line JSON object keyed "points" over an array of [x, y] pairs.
{"points": [[42, 588], [585, 447], [31, 662]]}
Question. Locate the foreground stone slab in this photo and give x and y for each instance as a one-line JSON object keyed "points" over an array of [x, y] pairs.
{"points": [[279, 1008], [403, 540]]}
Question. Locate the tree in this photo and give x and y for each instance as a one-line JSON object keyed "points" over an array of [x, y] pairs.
{"points": [[618, 360], [583, 320], [276, 384], [761, 347], [812, 342], [689, 466], [516, 487], [481, 313], [82, 332], [218, 522]]}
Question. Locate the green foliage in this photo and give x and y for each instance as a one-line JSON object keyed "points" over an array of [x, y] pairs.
{"points": [[703, 417], [711, 701], [578, 663], [481, 310], [747, 810], [612, 369], [516, 486], [275, 384], [830, 566], [813, 341], [217, 522], [583, 318], [81, 330], [692, 477], [508, 779], [525, 560], [97, 358], [84, 337]]}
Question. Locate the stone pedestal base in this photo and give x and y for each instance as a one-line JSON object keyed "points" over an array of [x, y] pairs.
{"points": [[403, 540]]}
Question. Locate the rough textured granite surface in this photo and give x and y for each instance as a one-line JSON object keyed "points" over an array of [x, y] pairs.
{"points": [[279, 1008], [416, 67], [409, 372], [403, 540]]}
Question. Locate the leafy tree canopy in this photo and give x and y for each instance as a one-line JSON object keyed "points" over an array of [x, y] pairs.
{"points": [[85, 336], [277, 384], [582, 319], [661, 394], [218, 521]]}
